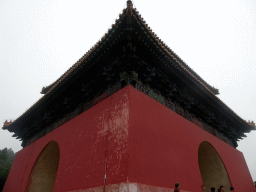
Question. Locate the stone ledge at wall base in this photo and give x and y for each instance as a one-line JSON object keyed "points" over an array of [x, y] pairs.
{"points": [[128, 187]]}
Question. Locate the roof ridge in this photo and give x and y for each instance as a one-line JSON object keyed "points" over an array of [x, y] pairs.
{"points": [[173, 55], [73, 67], [182, 63], [129, 6]]}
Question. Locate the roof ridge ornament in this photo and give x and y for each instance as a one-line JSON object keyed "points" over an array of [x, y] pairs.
{"points": [[129, 8], [251, 123], [6, 123]]}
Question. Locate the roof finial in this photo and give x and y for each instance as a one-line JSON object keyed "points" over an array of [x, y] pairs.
{"points": [[129, 7], [129, 2]]}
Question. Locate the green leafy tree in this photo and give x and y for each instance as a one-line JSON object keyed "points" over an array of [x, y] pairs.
{"points": [[10, 155], [6, 159], [4, 154]]}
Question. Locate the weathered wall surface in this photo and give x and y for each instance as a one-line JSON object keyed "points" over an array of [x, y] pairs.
{"points": [[84, 143], [147, 147], [163, 148]]}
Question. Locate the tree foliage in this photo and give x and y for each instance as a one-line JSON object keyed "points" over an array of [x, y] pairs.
{"points": [[6, 159]]}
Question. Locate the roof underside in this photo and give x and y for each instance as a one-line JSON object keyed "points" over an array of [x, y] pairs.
{"points": [[130, 45]]}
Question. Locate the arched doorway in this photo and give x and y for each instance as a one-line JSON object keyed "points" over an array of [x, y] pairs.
{"points": [[212, 168], [43, 175]]}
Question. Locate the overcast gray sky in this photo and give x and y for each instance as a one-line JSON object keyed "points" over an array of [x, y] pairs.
{"points": [[40, 40]]}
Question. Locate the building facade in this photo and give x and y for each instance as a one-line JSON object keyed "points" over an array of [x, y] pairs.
{"points": [[130, 115]]}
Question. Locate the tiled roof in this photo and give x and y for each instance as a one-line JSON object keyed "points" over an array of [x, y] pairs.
{"points": [[212, 91], [175, 57], [51, 87], [187, 70]]}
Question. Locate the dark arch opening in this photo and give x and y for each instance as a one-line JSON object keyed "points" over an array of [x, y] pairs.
{"points": [[212, 168], [43, 175]]}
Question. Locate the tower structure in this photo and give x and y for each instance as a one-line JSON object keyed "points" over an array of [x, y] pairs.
{"points": [[130, 115]]}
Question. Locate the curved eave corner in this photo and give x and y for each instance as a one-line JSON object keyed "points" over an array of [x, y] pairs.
{"points": [[252, 125]]}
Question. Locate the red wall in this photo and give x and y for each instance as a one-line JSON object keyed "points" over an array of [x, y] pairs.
{"points": [[164, 148], [144, 142], [83, 142]]}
